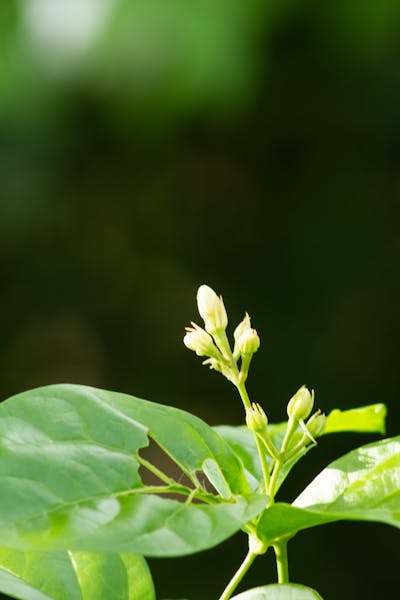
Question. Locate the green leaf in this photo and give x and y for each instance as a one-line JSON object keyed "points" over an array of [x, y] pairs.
{"points": [[69, 476], [287, 591], [363, 485], [74, 576], [365, 419]]}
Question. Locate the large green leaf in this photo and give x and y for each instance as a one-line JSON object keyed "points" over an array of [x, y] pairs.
{"points": [[69, 475], [287, 591], [362, 485], [74, 576], [365, 419]]}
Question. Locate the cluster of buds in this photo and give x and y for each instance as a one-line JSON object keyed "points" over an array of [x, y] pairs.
{"points": [[212, 341]]}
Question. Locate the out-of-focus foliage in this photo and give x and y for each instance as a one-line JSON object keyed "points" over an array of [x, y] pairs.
{"points": [[149, 146]]}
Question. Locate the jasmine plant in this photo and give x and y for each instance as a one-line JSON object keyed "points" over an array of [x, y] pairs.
{"points": [[82, 504]]}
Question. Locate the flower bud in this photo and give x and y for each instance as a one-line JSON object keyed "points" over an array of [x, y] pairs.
{"points": [[200, 341], [212, 310], [316, 424], [256, 418], [241, 328], [301, 405], [249, 342]]}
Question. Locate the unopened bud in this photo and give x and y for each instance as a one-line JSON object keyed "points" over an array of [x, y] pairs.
{"points": [[301, 405], [200, 341], [249, 342], [316, 424], [256, 418], [241, 328], [212, 310]]}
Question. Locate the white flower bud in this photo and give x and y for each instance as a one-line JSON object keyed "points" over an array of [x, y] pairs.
{"points": [[240, 329], [212, 310], [200, 341], [301, 405], [249, 342]]}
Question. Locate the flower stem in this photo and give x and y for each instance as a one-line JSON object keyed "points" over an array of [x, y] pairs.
{"points": [[241, 386], [282, 562], [290, 429], [237, 578], [264, 464], [272, 483]]}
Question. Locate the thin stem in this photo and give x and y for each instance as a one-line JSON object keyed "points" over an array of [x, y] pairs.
{"points": [[291, 428], [273, 480], [168, 480], [264, 464], [282, 562], [153, 469], [222, 342], [269, 446], [238, 576], [241, 386]]}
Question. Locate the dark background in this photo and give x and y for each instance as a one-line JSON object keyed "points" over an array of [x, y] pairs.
{"points": [[253, 146]]}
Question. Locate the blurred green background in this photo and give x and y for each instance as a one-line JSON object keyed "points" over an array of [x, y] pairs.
{"points": [[149, 146]]}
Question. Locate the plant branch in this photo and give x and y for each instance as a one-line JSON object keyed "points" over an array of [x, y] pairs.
{"points": [[282, 561], [237, 578]]}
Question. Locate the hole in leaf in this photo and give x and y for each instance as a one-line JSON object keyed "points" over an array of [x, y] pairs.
{"points": [[206, 483], [157, 464]]}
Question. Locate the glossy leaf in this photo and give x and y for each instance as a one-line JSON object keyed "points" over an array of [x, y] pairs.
{"points": [[362, 485], [365, 419], [74, 576], [287, 591], [69, 475]]}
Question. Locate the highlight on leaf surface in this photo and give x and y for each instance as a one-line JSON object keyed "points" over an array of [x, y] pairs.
{"points": [[363, 485]]}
